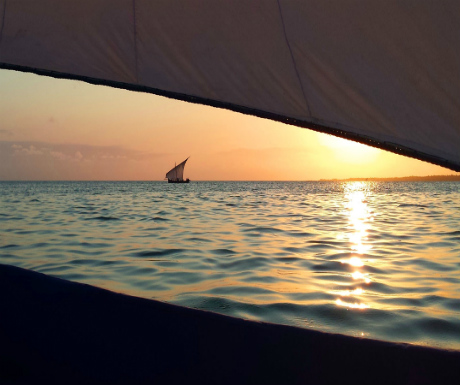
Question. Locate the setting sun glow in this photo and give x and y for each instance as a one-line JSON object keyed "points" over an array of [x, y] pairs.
{"points": [[77, 131], [346, 151]]}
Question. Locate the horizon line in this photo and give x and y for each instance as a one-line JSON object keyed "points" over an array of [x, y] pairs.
{"points": [[451, 177]]}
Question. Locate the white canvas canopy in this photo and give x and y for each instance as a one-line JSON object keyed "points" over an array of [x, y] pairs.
{"points": [[381, 72]]}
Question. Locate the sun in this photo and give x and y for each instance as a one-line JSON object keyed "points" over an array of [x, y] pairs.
{"points": [[347, 151]]}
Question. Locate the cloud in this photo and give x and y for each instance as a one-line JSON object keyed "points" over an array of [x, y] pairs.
{"points": [[4, 132], [30, 150], [75, 157], [75, 152], [50, 161], [60, 155], [111, 157]]}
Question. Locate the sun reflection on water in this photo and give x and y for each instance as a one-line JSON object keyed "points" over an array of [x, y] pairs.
{"points": [[347, 293], [359, 218], [355, 305], [353, 261]]}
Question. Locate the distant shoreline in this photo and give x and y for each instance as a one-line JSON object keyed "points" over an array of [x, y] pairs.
{"points": [[430, 178]]}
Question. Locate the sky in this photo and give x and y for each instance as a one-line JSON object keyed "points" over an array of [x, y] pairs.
{"points": [[54, 129]]}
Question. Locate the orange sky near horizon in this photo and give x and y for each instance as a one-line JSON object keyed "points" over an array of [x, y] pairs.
{"points": [[69, 130]]}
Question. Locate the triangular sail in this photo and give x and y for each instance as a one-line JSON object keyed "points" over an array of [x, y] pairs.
{"points": [[385, 73], [177, 173]]}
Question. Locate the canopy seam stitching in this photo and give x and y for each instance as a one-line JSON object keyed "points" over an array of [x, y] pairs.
{"points": [[135, 40], [3, 24], [293, 59]]}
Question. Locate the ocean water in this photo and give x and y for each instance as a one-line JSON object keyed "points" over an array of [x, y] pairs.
{"points": [[378, 260]]}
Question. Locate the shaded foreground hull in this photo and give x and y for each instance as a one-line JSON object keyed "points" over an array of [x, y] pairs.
{"points": [[59, 332], [178, 181]]}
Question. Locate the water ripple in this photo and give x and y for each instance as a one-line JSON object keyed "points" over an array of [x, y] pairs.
{"points": [[379, 260]]}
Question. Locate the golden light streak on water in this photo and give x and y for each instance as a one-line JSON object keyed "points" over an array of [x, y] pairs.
{"points": [[353, 261], [348, 293], [355, 305], [359, 218], [358, 275]]}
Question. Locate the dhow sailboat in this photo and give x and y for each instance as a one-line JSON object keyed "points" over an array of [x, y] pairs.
{"points": [[176, 174]]}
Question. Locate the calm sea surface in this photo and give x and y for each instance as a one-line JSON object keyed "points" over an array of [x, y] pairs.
{"points": [[380, 260]]}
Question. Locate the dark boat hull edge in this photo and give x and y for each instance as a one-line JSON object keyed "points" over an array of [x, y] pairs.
{"points": [[178, 181]]}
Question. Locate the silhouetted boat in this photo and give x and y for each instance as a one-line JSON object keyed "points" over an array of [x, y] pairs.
{"points": [[176, 174]]}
